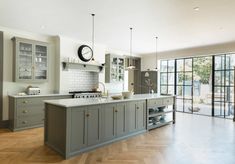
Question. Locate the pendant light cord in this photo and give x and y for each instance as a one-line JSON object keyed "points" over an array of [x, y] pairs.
{"points": [[93, 34], [156, 52], [130, 45]]}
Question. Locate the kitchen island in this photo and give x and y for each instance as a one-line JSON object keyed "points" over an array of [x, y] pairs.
{"points": [[73, 126]]}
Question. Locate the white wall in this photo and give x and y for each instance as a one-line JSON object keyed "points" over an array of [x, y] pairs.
{"points": [[10, 87], [68, 48], [148, 60]]}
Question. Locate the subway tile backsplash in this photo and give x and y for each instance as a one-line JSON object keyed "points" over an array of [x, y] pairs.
{"points": [[81, 80]]}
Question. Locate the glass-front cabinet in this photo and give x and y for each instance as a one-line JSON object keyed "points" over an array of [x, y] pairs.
{"points": [[114, 71], [30, 60]]}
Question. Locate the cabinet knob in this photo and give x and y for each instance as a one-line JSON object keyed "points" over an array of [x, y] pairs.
{"points": [[116, 111], [25, 102], [24, 111], [88, 114], [137, 107], [24, 122]]}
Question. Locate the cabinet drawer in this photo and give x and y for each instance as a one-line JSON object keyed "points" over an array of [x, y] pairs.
{"points": [[168, 101], [29, 101], [155, 102], [30, 110], [30, 121]]}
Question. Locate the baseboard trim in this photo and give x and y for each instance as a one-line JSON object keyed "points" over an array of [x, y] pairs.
{"points": [[4, 124]]}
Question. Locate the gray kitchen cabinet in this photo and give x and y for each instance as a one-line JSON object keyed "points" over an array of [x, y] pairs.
{"points": [[114, 68], [28, 112], [108, 117], [30, 60], [93, 124], [78, 129], [121, 126], [141, 115], [131, 116], [136, 115]]}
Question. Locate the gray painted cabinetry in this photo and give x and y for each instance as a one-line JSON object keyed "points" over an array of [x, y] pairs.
{"points": [[28, 112], [30, 60], [88, 127]]}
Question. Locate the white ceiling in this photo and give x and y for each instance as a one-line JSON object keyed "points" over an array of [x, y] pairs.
{"points": [[175, 22]]}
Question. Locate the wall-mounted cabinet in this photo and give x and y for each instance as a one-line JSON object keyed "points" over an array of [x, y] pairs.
{"points": [[114, 68], [30, 60]]}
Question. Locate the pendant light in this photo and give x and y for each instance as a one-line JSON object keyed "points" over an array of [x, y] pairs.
{"points": [[130, 64], [156, 69], [93, 35]]}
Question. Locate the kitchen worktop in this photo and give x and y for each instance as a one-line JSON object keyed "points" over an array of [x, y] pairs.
{"points": [[94, 101], [40, 95]]}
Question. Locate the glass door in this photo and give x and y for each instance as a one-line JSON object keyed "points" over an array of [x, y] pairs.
{"points": [[25, 61], [40, 71], [184, 83], [224, 85]]}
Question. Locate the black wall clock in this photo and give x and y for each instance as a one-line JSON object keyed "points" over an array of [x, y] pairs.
{"points": [[85, 53]]}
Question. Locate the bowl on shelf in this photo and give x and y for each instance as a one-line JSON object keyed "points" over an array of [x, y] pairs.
{"points": [[161, 108], [127, 95], [116, 97]]}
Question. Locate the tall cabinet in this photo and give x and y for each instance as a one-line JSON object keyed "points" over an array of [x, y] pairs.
{"points": [[30, 60]]}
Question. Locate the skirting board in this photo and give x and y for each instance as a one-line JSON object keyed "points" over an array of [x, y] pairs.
{"points": [[4, 124]]}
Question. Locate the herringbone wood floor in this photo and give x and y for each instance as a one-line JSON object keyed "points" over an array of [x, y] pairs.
{"points": [[192, 140]]}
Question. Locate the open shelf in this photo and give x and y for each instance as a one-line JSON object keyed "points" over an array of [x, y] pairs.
{"points": [[159, 124], [83, 66], [159, 113]]}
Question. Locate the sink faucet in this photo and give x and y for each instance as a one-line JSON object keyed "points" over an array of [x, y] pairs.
{"points": [[103, 87]]}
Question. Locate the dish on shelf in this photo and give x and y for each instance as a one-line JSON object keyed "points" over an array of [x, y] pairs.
{"points": [[161, 109]]}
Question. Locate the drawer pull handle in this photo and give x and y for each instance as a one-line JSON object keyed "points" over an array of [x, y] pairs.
{"points": [[137, 107], [25, 111], [88, 114], [25, 102], [116, 111], [24, 122]]}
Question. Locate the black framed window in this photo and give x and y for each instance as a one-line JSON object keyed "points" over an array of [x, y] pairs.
{"points": [[167, 77]]}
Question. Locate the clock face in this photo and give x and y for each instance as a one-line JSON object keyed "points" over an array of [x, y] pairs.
{"points": [[85, 53]]}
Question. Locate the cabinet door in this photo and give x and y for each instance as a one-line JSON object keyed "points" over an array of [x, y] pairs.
{"points": [[141, 115], [131, 116], [78, 129], [93, 124], [40, 60], [120, 119], [24, 61], [108, 127]]}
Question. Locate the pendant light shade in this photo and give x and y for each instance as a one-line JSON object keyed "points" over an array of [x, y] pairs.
{"points": [[130, 64]]}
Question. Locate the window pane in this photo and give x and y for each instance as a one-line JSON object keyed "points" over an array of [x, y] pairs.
{"points": [[163, 78], [188, 79], [171, 90], [179, 105], [232, 61], [187, 90], [171, 78], [179, 92], [229, 78], [219, 62], [171, 66], [164, 66], [219, 78], [180, 78], [163, 89], [188, 64], [180, 65]]}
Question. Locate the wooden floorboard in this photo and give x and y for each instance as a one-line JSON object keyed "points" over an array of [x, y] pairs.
{"points": [[192, 140]]}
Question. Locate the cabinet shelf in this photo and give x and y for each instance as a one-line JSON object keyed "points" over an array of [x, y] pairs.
{"points": [[159, 113], [159, 124]]}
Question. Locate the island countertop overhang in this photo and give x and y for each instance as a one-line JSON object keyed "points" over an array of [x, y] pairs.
{"points": [[95, 101]]}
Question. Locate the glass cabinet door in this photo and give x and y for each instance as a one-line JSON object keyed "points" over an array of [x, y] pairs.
{"points": [[25, 61], [40, 69]]}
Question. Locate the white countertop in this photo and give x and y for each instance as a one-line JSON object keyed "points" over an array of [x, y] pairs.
{"points": [[41, 95], [93, 101]]}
